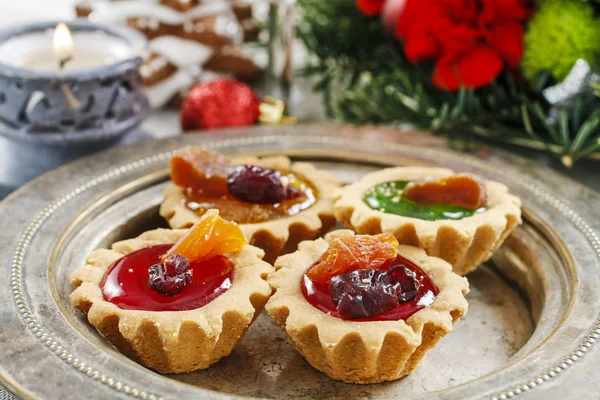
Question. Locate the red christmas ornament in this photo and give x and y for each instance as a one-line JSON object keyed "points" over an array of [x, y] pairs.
{"points": [[220, 103], [470, 41]]}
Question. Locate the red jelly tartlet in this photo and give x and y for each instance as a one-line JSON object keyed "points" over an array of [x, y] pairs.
{"points": [[194, 291], [347, 299]]}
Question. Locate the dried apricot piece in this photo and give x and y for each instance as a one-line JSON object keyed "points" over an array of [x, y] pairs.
{"points": [[461, 190], [211, 236], [350, 253], [201, 170]]}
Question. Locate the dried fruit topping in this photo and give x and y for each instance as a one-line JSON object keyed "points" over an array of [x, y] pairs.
{"points": [[363, 293], [349, 253], [407, 278], [260, 185], [201, 170], [211, 236], [395, 291], [171, 277], [368, 293], [462, 190]]}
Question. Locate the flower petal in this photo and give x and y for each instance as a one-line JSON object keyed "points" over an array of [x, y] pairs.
{"points": [[421, 44], [506, 38], [478, 67], [445, 75], [417, 11], [456, 39], [370, 7], [510, 9]]}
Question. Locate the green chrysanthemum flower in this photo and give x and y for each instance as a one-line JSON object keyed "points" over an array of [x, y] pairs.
{"points": [[559, 33]]}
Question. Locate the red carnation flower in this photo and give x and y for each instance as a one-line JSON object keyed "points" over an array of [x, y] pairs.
{"points": [[370, 7], [471, 41]]}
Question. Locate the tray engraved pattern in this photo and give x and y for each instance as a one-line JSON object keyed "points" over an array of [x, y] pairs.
{"points": [[142, 175]]}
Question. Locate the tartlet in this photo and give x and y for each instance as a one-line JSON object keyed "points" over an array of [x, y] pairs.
{"points": [[362, 351], [173, 341], [465, 243], [276, 236]]}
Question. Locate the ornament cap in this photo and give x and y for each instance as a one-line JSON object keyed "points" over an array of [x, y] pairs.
{"points": [[272, 112]]}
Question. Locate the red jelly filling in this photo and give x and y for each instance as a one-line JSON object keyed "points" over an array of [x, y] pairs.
{"points": [[126, 283], [413, 290]]}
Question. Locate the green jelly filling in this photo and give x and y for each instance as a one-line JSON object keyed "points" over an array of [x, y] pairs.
{"points": [[387, 197]]}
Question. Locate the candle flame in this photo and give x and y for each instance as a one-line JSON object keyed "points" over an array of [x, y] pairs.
{"points": [[62, 44]]}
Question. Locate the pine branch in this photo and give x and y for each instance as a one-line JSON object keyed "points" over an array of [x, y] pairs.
{"points": [[365, 78]]}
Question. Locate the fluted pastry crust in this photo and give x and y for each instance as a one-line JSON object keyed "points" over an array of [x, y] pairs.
{"points": [[278, 236], [464, 243], [363, 352], [173, 341]]}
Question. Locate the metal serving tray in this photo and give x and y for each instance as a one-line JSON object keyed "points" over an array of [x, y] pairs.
{"points": [[533, 310]]}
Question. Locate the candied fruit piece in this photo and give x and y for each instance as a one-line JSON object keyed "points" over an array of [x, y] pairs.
{"points": [[395, 291], [407, 279], [171, 277], [177, 264], [363, 293], [353, 252], [260, 185], [201, 170], [461, 190], [211, 236]]}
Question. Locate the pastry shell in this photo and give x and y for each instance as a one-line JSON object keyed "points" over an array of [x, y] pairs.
{"points": [[278, 236], [173, 341], [363, 352], [464, 243]]}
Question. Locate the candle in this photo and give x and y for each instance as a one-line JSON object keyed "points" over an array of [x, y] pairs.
{"points": [[44, 51], [62, 44]]}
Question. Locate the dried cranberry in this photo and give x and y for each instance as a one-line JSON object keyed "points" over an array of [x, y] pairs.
{"points": [[408, 281], [170, 278], [256, 185], [177, 264], [363, 293]]}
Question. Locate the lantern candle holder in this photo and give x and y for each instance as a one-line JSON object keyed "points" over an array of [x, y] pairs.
{"points": [[66, 90]]}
